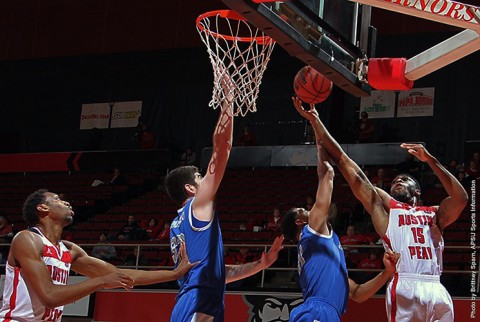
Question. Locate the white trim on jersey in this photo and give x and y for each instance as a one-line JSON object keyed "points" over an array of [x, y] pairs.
{"points": [[201, 317], [310, 229], [190, 214]]}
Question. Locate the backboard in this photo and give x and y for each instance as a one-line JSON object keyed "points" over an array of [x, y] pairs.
{"points": [[335, 36], [325, 34]]}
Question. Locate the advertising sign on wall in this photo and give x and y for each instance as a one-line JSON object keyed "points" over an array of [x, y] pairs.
{"points": [[96, 115], [416, 102], [126, 114], [380, 104]]}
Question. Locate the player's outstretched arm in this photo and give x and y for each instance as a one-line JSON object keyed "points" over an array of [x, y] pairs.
{"points": [[362, 292], [237, 272], [318, 218], [26, 250], [222, 145], [141, 277], [452, 206], [363, 190], [94, 267]]}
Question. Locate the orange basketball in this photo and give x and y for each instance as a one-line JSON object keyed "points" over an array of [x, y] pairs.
{"points": [[310, 86]]}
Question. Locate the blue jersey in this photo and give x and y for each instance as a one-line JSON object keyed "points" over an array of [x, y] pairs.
{"points": [[322, 269], [204, 244]]}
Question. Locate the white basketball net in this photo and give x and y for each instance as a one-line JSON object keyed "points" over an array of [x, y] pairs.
{"points": [[244, 60]]}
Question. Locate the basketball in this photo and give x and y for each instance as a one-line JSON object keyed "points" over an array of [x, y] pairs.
{"points": [[310, 86]]}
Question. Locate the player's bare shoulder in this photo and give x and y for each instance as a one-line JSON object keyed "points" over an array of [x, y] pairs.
{"points": [[24, 241], [27, 238]]}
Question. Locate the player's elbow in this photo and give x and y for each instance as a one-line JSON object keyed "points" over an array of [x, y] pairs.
{"points": [[359, 299], [463, 199], [51, 301]]}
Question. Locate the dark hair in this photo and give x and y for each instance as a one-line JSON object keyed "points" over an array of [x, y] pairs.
{"points": [[176, 180], [30, 212], [288, 226]]}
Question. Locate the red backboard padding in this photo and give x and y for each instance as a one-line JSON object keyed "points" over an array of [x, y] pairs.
{"points": [[388, 74]]}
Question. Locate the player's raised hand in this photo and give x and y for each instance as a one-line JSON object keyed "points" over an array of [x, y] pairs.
{"points": [[310, 114], [117, 280], [184, 266], [390, 260], [271, 256], [417, 150]]}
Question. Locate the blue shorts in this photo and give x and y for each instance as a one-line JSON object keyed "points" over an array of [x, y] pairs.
{"points": [[314, 310], [194, 307]]}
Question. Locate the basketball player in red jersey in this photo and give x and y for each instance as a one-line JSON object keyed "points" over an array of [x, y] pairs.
{"points": [[39, 263], [414, 294]]}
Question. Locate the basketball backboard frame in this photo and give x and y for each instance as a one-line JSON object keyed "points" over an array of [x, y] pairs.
{"points": [[309, 38], [353, 80]]}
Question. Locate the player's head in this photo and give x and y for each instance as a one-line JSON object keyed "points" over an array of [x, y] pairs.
{"points": [[294, 220], [405, 188], [182, 183], [43, 203]]}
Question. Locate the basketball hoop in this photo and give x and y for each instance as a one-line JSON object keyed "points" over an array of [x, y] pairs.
{"points": [[238, 48]]}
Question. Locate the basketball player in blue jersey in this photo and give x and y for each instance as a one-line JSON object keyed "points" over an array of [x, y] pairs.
{"points": [[202, 290], [321, 261], [415, 293]]}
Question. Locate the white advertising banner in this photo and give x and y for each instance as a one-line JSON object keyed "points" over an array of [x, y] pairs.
{"points": [[126, 114], [380, 104], [416, 102], [95, 115]]}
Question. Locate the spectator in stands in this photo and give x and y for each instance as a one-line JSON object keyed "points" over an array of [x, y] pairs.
{"points": [[188, 157], [242, 257], [371, 262], [370, 235], [365, 129], [146, 138], [275, 221], [228, 258], [462, 178], [381, 180], [164, 234], [453, 167], [131, 230], [104, 250], [131, 259], [152, 228], [118, 178], [248, 138], [472, 172], [352, 238], [6, 230]]}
